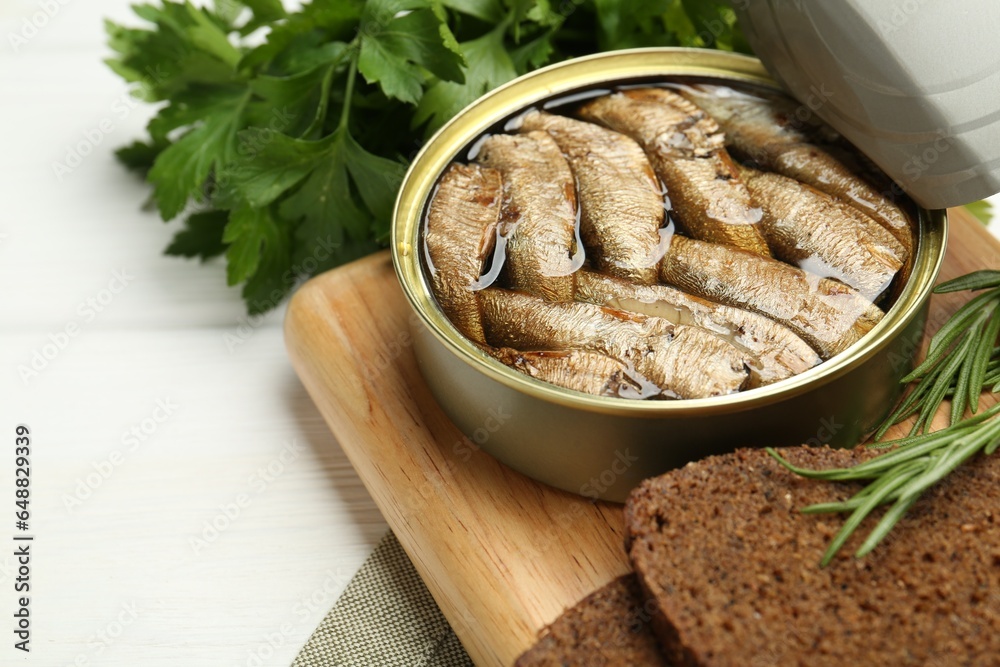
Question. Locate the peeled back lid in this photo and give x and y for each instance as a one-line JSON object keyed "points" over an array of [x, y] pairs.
{"points": [[915, 84]]}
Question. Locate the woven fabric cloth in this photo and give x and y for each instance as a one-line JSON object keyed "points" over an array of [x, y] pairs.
{"points": [[385, 618]]}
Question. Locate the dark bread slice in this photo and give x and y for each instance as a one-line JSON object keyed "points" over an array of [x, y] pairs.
{"points": [[608, 628], [732, 566]]}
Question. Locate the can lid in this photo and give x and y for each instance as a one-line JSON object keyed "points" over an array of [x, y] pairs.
{"points": [[908, 83]]}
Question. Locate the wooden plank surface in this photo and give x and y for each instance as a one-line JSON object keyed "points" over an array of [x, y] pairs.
{"points": [[121, 572], [502, 554]]}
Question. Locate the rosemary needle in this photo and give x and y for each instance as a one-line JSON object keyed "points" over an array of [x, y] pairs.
{"points": [[963, 361], [901, 476]]}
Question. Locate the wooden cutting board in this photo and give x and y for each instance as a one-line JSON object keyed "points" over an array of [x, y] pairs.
{"points": [[503, 555]]}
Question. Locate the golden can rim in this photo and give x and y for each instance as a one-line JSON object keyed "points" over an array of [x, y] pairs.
{"points": [[611, 68]]}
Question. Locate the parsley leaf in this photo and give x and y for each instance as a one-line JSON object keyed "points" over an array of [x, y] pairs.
{"points": [[344, 188], [542, 13], [208, 36], [139, 155], [248, 232], [259, 253], [264, 12], [201, 236], [393, 41], [333, 21], [181, 170], [296, 104], [632, 23], [291, 143], [274, 164], [491, 11], [184, 49], [489, 66], [714, 21], [535, 53], [326, 202]]}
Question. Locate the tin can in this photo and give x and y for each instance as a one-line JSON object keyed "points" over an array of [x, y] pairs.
{"points": [[602, 447]]}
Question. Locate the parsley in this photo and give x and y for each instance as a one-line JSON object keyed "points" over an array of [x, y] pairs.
{"points": [[281, 138]]}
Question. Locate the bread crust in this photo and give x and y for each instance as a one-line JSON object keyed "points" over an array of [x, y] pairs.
{"points": [[731, 564], [608, 628]]}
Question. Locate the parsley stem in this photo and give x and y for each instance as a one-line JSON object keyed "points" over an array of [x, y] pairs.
{"points": [[345, 112]]}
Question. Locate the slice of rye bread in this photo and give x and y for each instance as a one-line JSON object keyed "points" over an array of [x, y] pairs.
{"points": [[732, 566], [608, 628]]}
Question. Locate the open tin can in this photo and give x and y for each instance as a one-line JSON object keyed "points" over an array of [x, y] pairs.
{"points": [[602, 447]]}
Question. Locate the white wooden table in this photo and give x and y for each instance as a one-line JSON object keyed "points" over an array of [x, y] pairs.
{"points": [[116, 577], [188, 504]]}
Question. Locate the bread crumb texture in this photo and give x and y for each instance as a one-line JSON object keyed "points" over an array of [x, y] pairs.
{"points": [[730, 566], [608, 628]]}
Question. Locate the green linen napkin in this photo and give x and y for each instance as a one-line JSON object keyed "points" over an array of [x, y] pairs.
{"points": [[386, 617]]}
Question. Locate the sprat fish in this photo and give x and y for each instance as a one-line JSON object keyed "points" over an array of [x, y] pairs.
{"points": [[687, 151], [580, 370], [777, 352], [621, 206], [539, 208], [764, 130], [460, 235], [684, 361], [826, 313], [825, 235]]}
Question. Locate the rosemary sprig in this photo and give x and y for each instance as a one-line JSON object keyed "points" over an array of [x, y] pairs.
{"points": [[900, 476], [963, 360]]}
